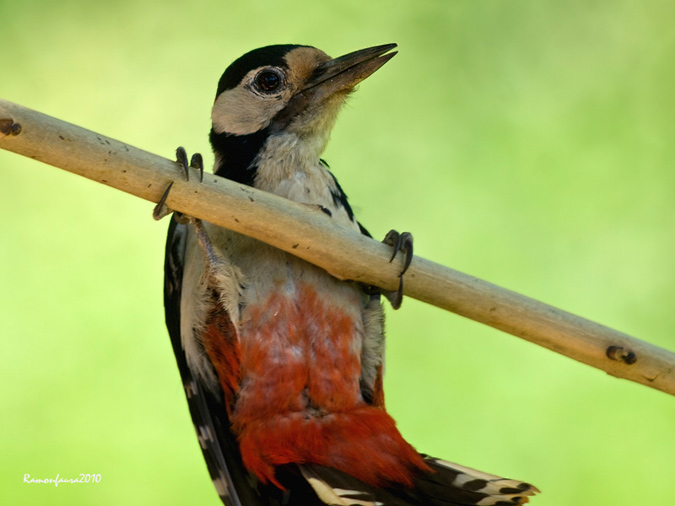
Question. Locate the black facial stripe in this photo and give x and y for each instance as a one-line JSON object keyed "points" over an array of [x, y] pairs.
{"points": [[236, 153], [261, 57]]}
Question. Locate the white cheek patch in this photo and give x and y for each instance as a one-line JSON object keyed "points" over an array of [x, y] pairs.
{"points": [[241, 111]]}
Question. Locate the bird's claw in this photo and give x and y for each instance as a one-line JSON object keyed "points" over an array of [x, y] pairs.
{"points": [[181, 158], [196, 162], [161, 210], [402, 242]]}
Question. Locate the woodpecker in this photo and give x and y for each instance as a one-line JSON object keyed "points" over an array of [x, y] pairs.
{"points": [[281, 362]]}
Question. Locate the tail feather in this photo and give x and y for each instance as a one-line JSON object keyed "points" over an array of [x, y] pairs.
{"points": [[451, 483], [336, 488], [447, 485]]}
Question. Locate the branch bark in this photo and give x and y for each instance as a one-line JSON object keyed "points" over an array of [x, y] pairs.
{"points": [[308, 233]]}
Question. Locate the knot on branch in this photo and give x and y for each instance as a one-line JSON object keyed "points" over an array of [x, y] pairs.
{"points": [[621, 355], [8, 127]]}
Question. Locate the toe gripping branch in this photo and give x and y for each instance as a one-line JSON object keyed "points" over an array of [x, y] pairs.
{"points": [[196, 162], [402, 242]]}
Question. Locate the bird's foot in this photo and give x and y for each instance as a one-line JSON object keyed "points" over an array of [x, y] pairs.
{"points": [[196, 162], [402, 242], [161, 209]]}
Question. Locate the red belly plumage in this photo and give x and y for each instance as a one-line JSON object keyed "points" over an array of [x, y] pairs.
{"points": [[299, 399]]}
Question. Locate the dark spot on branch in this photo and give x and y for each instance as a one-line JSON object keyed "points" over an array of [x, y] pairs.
{"points": [[621, 355], [8, 127]]}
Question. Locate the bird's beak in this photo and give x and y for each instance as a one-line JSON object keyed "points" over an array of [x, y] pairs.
{"points": [[331, 77], [345, 72]]}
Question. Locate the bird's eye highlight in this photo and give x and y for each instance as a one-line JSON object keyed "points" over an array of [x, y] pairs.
{"points": [[268, 81]]}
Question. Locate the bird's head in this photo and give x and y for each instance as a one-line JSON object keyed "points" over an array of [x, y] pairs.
{"points": [[285, 90]]}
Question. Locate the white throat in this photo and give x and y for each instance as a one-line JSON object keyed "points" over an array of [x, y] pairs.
{"points": [[287, 156]]}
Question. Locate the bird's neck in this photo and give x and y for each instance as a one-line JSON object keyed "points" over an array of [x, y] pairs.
{"points": [[235, 154], [263, 160], [287, 156]]}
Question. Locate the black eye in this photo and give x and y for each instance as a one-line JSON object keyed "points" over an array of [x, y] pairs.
{"points": [[268, 81]]}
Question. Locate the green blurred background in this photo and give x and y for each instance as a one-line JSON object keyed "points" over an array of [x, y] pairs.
{"points": [[529, 143]]}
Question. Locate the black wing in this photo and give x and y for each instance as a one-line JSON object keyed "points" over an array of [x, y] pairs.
{"points": [[209, 416]]}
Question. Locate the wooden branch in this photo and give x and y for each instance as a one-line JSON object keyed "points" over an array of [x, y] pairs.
{"points": [[308, 233]]}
